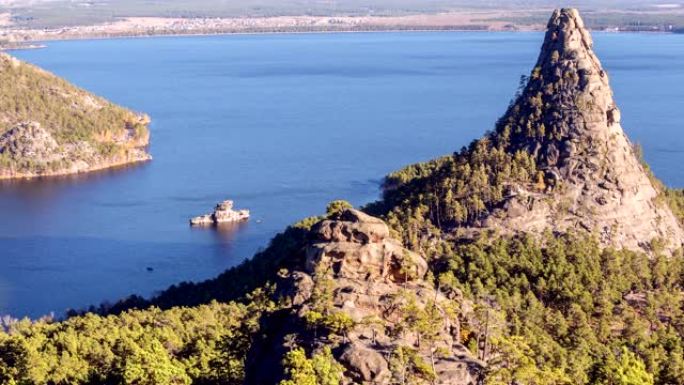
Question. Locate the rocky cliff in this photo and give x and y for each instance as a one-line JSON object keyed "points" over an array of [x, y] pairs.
{"points": [[557, 161], [362, 293], [49, 127]]}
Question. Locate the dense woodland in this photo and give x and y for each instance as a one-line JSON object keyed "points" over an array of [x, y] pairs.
{"points": [[201, 345], [562, 313], [205, 343]]}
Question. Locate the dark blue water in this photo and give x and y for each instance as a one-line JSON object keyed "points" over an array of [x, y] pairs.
{"points": [[282, 124]]}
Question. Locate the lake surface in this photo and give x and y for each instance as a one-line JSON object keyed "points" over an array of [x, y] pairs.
{"points": [[282, 124]]}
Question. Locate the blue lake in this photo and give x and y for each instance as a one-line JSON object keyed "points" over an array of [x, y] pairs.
{"points": [[282, 124]]}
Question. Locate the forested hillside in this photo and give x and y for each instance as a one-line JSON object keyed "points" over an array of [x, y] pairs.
{"points": [[50, 127]]}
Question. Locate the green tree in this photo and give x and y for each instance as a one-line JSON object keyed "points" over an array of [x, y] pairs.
{"points": [[321, 369], [336, 207], [626, 369]]}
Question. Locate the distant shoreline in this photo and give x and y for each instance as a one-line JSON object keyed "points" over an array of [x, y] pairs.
{"points": [[16, 35], [38, 44], [43, 43]]}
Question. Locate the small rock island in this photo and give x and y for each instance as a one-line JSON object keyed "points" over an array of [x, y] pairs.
{"points": [[50, 127], [223, 213]]}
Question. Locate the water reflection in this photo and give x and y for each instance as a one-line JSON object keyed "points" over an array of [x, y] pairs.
{"points": [[48, 187], [223, 233]]}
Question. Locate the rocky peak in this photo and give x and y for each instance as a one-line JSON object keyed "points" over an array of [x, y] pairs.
{"points": [[567, 103], [356, 246], [355, 271], [566, 119]]}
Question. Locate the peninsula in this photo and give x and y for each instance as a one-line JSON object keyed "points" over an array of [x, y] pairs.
{"points": [[49, 127]]}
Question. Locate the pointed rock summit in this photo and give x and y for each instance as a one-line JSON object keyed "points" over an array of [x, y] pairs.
{"points": [[590, 174]]}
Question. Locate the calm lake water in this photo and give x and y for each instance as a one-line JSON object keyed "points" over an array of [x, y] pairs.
{"points": [[282, 124]]}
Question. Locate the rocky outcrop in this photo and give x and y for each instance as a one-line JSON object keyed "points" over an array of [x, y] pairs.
{"points": [[28, 150], [354, 270], [567, 120], [358, 246], [29, 140], [49, 127], [223, 213]]}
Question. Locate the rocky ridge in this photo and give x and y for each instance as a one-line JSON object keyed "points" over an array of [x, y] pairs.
{"points": [[369, 298], [361, 292], [49, 127]]}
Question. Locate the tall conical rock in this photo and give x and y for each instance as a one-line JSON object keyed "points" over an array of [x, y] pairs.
{"points": [[567, 120], [558, 160]]}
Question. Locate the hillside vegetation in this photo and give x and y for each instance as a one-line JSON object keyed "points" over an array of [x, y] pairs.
{"points": [[559, 310]]}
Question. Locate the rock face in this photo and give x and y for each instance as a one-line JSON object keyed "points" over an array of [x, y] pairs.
{"points": [[567, 120], [223, 213], [377, 285], [29, 140], [49, 127]]}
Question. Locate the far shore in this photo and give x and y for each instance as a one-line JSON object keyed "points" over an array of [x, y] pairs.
{"points": [[43, 43], [39, 44], [16, 37]]}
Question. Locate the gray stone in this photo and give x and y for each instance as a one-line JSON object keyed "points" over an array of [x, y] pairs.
{"points": [[365, 364]]}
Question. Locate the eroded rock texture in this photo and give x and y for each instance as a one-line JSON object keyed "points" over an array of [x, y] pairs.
{"points": [[353, 267]]}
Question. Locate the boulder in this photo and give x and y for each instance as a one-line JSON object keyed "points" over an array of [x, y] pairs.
{"points": [[364, 364], [29, 140], [352, 226]]}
